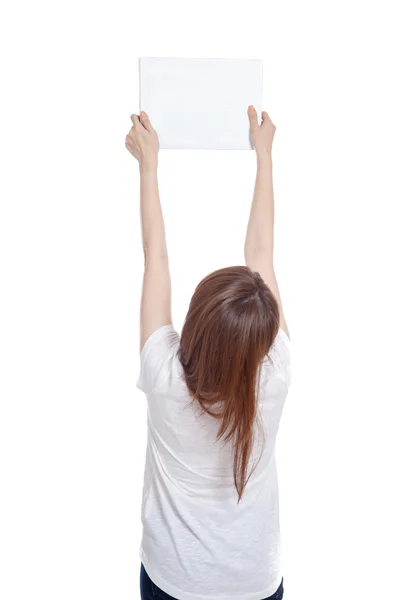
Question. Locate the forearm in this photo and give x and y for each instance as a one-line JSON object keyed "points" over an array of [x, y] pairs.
{"points": [[260, 229], [153, 230]]}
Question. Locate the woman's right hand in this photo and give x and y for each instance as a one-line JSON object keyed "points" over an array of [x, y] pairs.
{"points": [[262, 135]]}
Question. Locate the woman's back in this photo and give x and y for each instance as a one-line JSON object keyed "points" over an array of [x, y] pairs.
{"points": [[198, 542], [210, 500]]}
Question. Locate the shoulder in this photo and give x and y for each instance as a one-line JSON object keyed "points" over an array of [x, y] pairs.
{"points": [[164, 337], [278, 358], [282, 346], [159, 362]]}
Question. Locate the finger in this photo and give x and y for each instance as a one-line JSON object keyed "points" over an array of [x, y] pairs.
{"points": [[135, 121], [267, 119], [145, 121], [251, 111]]}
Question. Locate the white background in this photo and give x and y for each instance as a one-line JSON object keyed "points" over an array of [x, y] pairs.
{"points": [[72, 421]]}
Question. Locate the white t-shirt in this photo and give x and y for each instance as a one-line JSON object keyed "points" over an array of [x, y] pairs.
{"points": [[198, 543]]}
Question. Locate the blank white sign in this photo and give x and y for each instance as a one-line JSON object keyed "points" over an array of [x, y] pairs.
{"points": [[201, 103]]}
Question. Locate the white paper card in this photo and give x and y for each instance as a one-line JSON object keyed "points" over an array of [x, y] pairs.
{"points": [[201, 103]]}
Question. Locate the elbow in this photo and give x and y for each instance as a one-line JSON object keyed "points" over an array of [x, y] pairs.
{"points": [[253, 252], [155, 256]]}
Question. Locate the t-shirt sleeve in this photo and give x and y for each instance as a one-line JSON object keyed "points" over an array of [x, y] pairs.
{"points": [[156, 357]]}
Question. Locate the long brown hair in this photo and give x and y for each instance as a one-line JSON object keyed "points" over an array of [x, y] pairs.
{"points": [[232, 321]]}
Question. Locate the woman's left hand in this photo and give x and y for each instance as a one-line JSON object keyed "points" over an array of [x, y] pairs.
{"points": [[142, 142]]}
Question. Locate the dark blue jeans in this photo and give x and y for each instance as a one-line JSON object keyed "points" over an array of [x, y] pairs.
{"points": [[149, 590]]}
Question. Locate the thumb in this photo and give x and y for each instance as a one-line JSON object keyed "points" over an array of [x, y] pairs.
{"points": [[252, 116], [145, 121]]}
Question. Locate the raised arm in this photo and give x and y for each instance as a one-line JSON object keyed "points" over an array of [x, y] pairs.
{"points": [[259, 244], [155, 310]]}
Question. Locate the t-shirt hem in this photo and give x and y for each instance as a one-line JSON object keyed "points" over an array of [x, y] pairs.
{"points": [[179, 594]]}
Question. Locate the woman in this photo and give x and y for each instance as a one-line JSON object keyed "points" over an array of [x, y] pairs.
{"points": [[215, 395]]}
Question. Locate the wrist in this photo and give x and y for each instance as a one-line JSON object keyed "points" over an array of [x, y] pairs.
{"points": [[264, 160], [264, 157], [148, 166]]}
